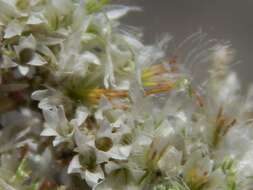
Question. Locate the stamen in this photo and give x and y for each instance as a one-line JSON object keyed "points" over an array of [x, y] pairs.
{"points": [[222, 125], [199, 98], [154, 81], [160, 88], [95, 94], [153, 71], [121, 106]]}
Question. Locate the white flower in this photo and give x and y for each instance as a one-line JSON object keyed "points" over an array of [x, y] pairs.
{"points": [[92, 177], [197, 170], [170, 162], [58, 126], [50, 98]]}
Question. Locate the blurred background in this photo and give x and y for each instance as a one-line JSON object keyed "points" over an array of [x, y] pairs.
{"points": [[228, 20]]}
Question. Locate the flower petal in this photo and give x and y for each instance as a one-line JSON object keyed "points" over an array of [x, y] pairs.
{"points": [[14, 28], [114, 12]]}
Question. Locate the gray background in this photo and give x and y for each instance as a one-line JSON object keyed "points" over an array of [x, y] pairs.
{"points": [[229, 20]]}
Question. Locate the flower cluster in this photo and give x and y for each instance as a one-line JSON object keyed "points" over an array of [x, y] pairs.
{"points": [[84, 104]]}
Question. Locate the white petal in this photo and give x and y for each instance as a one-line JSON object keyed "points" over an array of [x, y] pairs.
{"points": [[90, 58], [47, 104], [23, 70], [133, 42], [61, 115], [48, 40], [37, 61], [104, 104], [164, 132], [125, 151], [43, 49], [109, 78], [49, 132], [58, 140], [86, 37], [111, 166], [81, 115], [13, 29], [74, 165], [29, 42], [170, 161], [92, 178], [118, 11], [181, 115], [51, 117], [40, 94], [116, 152], [7, 63], [81, 142], [35, 19], [80, 18]]}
